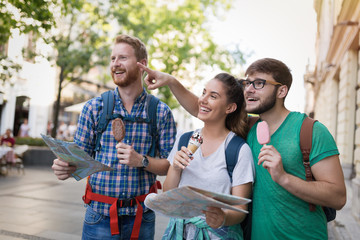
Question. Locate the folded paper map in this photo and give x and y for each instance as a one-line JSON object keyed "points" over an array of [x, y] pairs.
{"points": [[188, 202], [76, 156]]}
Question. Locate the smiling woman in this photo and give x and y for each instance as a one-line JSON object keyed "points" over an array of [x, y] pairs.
{"points": [[221, 109]]}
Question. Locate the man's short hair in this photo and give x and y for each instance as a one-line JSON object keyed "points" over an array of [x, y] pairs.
{"points": [[137, 44], [277, 69]]}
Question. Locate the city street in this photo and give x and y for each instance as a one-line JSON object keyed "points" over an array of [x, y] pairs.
{"points": [[38, 206]]}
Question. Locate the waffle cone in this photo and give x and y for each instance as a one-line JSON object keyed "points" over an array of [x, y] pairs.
{"points": [[193, 147]]}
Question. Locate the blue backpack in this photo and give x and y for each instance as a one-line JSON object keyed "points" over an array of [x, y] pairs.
{"points": [[231, 155], [107, 115]]}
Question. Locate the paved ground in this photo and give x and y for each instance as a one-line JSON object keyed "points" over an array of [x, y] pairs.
{"points": [[38, 206]]}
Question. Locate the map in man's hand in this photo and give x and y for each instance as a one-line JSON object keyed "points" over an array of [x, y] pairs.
{"points": [[74, 155], [188, 202]]}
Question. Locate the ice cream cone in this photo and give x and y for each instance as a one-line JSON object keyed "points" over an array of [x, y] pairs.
{"points": [[193, 148], [195, 142]]}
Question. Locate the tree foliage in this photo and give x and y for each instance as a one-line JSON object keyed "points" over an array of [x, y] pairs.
{"points": [[26, 16], [177, 39], [80, 41], [81, 33]]}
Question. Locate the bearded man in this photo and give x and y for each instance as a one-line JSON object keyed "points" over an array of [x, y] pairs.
{"points": [[135, 171]]}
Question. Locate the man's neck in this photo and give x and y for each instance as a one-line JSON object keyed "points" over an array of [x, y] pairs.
{"points": [[129, 94], [275, 117]]}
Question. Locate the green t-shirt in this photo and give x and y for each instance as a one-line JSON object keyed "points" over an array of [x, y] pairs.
{"points": [[278, 214]]}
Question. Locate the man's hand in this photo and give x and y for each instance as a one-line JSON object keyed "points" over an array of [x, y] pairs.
{"points": [[155, 79], [128, 156], [62, 169], [271, 160]]}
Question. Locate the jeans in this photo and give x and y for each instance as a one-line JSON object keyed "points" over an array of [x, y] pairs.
{"points": [[97, 226]]}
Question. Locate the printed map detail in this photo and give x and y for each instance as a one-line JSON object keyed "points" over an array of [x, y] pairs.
{"points": [[188, 202], [74, 155]]}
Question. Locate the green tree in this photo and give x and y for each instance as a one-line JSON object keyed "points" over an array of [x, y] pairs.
{"points": [[25, 16], [74, 28], [80, 42], [175, 32]]}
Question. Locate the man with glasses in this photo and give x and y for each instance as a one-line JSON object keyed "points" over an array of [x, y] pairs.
{"points": [[281, 194]]}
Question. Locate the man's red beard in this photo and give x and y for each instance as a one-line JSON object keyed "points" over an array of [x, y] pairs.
{"points": [[127, 79]]}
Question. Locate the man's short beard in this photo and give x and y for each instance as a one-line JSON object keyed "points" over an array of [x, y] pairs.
{"points": [[268, 104]]}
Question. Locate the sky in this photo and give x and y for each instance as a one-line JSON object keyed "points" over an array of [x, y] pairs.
{"points": [[280, 29]]}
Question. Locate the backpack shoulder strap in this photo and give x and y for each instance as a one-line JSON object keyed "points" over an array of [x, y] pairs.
{"points": [[252, 121], [108, 107], [306, 143], [232, 153], [151, 111], [184, 139], [306, 132]]}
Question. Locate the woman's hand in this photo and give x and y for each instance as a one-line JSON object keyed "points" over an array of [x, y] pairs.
{"points": [[215, 217], [155, 79], [182, 159]]}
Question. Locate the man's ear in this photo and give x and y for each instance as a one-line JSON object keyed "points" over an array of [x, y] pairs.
{"points": [[282, 91], [231, 108], [143, 62]]}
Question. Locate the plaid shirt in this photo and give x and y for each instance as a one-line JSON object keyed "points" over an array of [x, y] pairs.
{"points": [[124, 182]]}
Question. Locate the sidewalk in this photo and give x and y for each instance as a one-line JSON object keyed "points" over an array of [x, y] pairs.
{"points": [[345, 225], [38, 206]]}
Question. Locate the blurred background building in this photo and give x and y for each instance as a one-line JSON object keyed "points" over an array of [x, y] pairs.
{"points": [[332, 85], [30, 93]]}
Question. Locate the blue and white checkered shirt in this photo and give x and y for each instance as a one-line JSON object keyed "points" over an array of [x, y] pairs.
{"points": [[124, 182]]}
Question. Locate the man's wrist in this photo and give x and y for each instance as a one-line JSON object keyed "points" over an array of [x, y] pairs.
{"points": [[144, 161], [283, 180]]}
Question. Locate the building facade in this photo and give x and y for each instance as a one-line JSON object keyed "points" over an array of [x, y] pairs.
{"points": [[29, 93], [332, 86]]}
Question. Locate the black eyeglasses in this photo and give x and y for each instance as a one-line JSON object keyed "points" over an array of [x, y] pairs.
{"points": [[257, 83]]}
